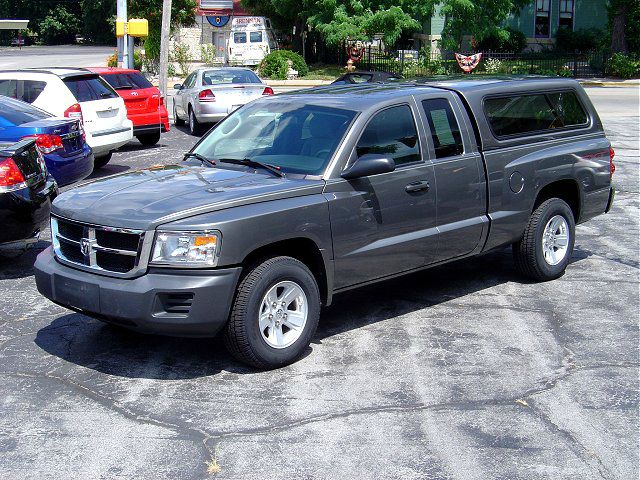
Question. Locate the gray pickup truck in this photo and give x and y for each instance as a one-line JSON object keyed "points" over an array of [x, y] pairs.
{"points": [[296, 197]]}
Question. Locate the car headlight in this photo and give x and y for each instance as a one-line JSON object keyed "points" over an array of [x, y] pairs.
{"points": [[186, 249]]}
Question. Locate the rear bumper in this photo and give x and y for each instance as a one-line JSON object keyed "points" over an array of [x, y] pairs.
{"points": [[149, 122], [147, 129], [105, 141], [67, 170], [215, 111], [164, 301], [24, 213]]}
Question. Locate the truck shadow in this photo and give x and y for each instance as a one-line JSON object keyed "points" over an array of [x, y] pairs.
{"points": [[92, 344]]}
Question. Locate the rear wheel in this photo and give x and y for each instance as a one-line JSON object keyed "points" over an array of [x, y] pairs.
{"points": [[275, 314], [194, 125], [100, 162], [149, 139], [547, 244], [177, 121]]}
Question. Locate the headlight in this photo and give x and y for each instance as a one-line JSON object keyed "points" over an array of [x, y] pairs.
{"points": [[187, 249]]}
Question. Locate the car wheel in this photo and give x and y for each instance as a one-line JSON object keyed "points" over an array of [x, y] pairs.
{"points": [[194, 125], [547, 244], [177, 121], [149, 139], [100, 162], [274, 315]]}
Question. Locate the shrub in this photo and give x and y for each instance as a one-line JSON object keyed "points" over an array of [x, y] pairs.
{"points": [[182, 56], [493, 65], [275, 65], [583, 40], [138, 60], [59, 26], [209, 54], [623, 66], [506, 40]]}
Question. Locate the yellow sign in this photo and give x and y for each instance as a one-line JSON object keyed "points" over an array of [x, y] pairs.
{"points": [[120, 28], [138, 27]]}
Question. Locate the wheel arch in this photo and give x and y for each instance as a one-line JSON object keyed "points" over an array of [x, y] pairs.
{"points": [[567, 190]]}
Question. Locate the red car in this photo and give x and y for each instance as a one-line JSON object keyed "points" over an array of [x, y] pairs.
{"points": [[145, 105]]}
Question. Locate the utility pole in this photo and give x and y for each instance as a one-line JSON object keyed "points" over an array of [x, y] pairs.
{"points": [[164, 45], [123, 43]]}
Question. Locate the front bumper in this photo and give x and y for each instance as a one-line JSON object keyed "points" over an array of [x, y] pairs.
{"points": [[193, 303]]}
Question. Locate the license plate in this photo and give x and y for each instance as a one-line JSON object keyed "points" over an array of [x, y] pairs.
{"points": [[82, 295]]}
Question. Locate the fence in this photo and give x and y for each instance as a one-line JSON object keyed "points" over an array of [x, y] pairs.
{"points": [[411, 63]]}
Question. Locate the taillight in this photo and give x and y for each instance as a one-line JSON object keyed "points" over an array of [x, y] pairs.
{"points": [[11, 177], [612, 166], [267, 91], [74, 111], [206, 96], [47, 143]]}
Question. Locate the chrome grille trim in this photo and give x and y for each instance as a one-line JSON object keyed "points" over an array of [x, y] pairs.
{"points": [[92, 248]]}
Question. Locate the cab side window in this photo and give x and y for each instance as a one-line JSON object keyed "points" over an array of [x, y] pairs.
{"points": [[391, 133], [445, 131]]}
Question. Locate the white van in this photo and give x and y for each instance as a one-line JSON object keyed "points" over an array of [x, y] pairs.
{"points": [[250, 40]]}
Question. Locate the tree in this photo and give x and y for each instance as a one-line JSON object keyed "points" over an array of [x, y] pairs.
{"points": [[98, 18], [624, 26], [59, 26], [182, 15]]}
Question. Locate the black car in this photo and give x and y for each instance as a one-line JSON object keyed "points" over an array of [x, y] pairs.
{"points": [[367, 77], [26, 193]]}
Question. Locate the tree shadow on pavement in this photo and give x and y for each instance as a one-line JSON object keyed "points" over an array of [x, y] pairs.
{"points": [[116, 351]]}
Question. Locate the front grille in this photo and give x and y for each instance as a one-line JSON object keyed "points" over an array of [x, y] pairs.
{"points": [[95, 247]]}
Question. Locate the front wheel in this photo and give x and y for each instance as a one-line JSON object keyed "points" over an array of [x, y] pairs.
{"points": [[275, 314], [545, 249]]}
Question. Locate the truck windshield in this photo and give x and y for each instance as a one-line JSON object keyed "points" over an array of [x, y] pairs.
{"points": [[297, 138]]}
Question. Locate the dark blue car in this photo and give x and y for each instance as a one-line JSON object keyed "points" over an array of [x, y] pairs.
{"points": [[60, 140]]}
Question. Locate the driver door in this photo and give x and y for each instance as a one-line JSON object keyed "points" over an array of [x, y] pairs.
{"points": [[385, 224]]}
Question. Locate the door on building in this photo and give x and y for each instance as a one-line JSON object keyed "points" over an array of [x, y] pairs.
{"points": [[219, 40]]}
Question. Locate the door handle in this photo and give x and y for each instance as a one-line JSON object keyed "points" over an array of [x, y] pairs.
{"points": [[417, 186]]}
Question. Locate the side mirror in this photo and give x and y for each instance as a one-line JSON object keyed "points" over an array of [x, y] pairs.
{"points": [[367, 165], [177, 86]]}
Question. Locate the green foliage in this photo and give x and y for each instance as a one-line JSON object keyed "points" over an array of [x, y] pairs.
{"points": [[112, 60], [138, 60], [59, 26], [479, 18], [182, 56], [623, 66], [493, 65], [208, 54], [503, 40], [275, 65], [583, 40], [98, 21]]}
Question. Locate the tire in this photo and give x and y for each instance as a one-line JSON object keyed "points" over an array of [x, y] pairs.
{"points": [[545, 228], [194, 125], [250, 336], [149, 139], [177, 121], [100, 162]]}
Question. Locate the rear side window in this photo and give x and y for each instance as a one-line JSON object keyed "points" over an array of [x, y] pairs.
{"points": [[240, 37], [445, 131], [127, 81], [255, 37], [89, 88], [523, 114], [392, 133], [16, 113], [25, 90]]}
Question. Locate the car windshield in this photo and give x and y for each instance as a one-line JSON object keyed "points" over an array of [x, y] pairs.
{"points": [[14, 113], [295, 137], [218, 77]]}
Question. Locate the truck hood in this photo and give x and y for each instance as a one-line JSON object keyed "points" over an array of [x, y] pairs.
{"points": [[144, 199]]}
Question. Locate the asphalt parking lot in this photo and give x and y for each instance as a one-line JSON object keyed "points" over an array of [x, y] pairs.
{"points": [[461, 372]]}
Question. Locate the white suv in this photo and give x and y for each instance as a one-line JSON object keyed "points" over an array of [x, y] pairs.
{"points": [[75, 93]]}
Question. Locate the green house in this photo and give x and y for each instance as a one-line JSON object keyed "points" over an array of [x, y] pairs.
{"points": [[539, 20]]}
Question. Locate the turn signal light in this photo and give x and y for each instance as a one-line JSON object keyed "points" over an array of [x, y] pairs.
{"points": [[268, 91], [612, 166], [206, 96], [11, 177], [47, 143]]}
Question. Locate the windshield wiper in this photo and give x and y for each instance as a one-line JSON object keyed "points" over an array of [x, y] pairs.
{"points": [[255, 164], [202, 158]]}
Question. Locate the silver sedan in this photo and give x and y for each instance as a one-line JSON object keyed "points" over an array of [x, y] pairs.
{"points": [[210, 94]]}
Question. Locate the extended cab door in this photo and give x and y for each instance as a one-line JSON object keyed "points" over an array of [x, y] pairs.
{"points": [[384, 224], [460, 175]]}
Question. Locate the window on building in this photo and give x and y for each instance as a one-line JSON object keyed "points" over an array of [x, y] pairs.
{"points": [[566, 14], [543, 18], [444, 128], [393, 133]]}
